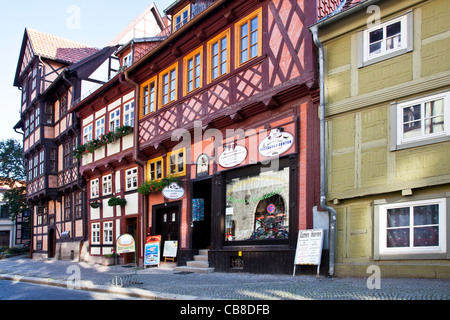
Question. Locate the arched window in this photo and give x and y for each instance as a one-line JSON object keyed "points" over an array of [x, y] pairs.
{"points": [[271, 219]]}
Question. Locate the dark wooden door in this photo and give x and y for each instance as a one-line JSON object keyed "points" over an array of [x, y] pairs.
{"points": [[168, 224]]}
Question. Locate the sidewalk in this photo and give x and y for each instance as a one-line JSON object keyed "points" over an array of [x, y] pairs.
{"points": [[166, 284]]}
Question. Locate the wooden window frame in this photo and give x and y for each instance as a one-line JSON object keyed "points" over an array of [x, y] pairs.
{"points": [[247, 20], [108, 232], [192, 56], [95, 185], [130, 175], [161, 95], [112, 123], [89, 134], [95, 233], [155, 161], [210, 44], [155, 104], [129, 112], [101, 127], [107, 185], [177, 173], [180, 13]]}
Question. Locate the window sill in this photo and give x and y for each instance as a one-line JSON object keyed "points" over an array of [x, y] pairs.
{"points": [[420, 143]]}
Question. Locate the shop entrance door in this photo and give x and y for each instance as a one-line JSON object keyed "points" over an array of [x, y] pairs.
{"points": [[131, 229], [201, 214], [167, 224]]}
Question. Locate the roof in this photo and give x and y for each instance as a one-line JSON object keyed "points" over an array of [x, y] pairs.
{"points": [[57, 48], [329, 8]]}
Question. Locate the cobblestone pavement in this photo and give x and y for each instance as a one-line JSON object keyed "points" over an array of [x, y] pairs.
{"points": [[165, 283]]}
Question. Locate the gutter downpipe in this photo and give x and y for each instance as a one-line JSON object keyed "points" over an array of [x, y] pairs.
{"points": [[127, 81], [323, 203]]}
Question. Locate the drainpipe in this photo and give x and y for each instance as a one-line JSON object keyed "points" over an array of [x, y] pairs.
{"points": [[323, 203], [130, 83]]}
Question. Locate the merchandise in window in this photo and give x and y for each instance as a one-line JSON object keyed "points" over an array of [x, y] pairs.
{"points": [[257, 207]]}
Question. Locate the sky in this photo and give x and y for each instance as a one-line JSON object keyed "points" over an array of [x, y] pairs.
{"points": [[91, 22]]}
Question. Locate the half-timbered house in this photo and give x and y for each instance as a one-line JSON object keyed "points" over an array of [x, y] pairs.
{"points": [[226, 110]]}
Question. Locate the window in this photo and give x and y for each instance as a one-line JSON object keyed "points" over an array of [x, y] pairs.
{"points": [[108, 232], [63, 106], [128, 60], [107, 184], [68, 207], [114, 120], [24, 91], [131, 179], [413, 227], [181, 18], [30, 169], [4, 211], [36, 166], [128, 114], [78, 205], [219, 56], [95, 233], [257, 206], [386, 40], [168, 85], [32, 123], [41, 162], [94, 188], [155, 169], [177, 163], [34, 79], [52, 160], [27, 128], [48, 114], [193, 71], [148, 100], [99, 127], [425, 119], [37, 119], [249, 37], [87, 134], [68, 154]]}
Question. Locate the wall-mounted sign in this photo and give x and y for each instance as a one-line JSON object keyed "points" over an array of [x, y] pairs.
{"points": [[232, 156], [202, 165], [125, 244], [276, 143], [173, 191]]}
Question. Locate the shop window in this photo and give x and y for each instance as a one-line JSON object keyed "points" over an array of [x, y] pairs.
{"points": [[176, 163], [155, 169], [219, 56], [148, 94], [257, 207], [193, 71], [417, 227], [249, 37]]}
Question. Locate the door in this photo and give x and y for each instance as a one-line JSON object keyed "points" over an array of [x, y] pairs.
{"points": [[131, 229], [51, 243], [201, 214], [4, 239], [167, 224]]}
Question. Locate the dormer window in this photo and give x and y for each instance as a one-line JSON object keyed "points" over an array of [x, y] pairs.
{"points": [[128, 60], [181, 18]]}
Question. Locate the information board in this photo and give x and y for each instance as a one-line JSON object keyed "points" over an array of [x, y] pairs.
{"points": [[309, 248], [152, 251], [170, 249]]}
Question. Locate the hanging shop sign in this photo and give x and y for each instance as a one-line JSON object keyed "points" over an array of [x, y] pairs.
{"points": [[233, 155], [125, 244], [173, 191], [277, 143], [152, 251], [309, 248], [202, 165]]}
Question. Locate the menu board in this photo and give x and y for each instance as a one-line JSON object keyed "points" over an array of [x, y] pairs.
{"points": [[309, 248]]}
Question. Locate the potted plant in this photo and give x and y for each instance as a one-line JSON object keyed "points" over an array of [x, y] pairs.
{"points": [[116, 201], [95, 204]]}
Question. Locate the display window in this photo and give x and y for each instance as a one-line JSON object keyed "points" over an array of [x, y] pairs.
{"points": [[257, 206]]}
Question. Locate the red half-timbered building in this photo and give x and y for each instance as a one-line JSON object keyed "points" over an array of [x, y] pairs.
{"points": [[227, 105]]}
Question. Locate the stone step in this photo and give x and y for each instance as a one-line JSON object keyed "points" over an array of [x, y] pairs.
{"points": [[193, 269], [200, 258], [198, 264], [203, 252]]}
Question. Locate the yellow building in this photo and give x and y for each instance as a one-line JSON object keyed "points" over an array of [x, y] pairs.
{"points": [[386, 99]]}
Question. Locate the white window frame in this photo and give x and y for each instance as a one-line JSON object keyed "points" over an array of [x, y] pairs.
{"points": [[406, 34], [87, 133], [107, 184], [108, 232], [95, 192], [128, 110], [411, 251], [397, 136], [114, 120], [127, 60], [131, 176], [99, 127], [95, 233]]}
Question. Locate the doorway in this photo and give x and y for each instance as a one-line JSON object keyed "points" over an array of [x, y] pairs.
{"points": [[201, 214], [131, 229], [167, 221], [51, 243]]}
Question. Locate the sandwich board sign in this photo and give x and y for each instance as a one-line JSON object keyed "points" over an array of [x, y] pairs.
{"points": [[309, 248], [153, 251]]}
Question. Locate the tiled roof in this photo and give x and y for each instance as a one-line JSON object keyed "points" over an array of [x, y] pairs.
{"points": [[57, 48], [327, 7]]}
